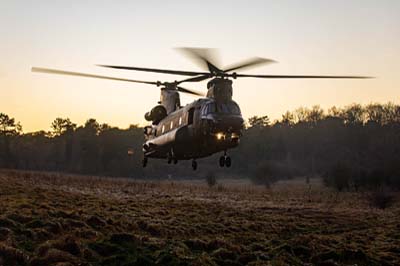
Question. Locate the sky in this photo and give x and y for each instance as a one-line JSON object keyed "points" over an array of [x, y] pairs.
{"points": [[340, 37]]}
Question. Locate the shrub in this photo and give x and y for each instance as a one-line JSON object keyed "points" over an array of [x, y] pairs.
{"points": [[394, 181], [211, 179], [339, 176], [268, 173], [381, 199], [359, 179], [221, 188], [376, 178]]}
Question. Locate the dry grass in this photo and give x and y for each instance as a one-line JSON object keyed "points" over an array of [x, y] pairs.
{"points": [[53, 219]]}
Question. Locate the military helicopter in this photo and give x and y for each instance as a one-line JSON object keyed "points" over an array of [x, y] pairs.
{"points": [[208, 125]]}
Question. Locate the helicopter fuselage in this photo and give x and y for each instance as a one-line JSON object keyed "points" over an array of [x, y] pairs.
{"points": [[201, 128]]}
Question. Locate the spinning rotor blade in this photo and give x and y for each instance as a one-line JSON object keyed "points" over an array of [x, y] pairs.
{"points": [[156, 70], [157, 83], [296, 76], [252, 62], [62, 72], [205, 57], [181, 89], [197, 79]]}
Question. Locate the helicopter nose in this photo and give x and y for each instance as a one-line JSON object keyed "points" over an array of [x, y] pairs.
{"points": [[230, 123]]}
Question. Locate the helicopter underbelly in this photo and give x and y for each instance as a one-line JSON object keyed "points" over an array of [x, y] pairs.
{"points": [[159, 147], [182, 144]]}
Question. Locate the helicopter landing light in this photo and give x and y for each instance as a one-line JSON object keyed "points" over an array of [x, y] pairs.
{"points": [[220, 136]]}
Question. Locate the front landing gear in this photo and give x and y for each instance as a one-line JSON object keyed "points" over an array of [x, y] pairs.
{"points": [[194, 165], [171, 158], [225, 161]]}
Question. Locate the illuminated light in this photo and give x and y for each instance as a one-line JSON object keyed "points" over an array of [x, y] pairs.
{"points": [[220, 136], [235, 136]]}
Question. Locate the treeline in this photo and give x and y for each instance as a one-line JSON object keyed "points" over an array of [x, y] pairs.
{"points": [[353, 147], [92, 148], [362, 140]]}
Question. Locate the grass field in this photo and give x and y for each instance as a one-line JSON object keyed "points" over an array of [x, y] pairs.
{"points": [[53, 219]]}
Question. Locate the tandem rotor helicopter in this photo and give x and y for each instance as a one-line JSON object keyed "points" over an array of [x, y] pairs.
{"points": [[206, 126]]}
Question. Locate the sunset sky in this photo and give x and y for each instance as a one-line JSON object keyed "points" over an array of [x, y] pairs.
{"points": [[305, 37]]}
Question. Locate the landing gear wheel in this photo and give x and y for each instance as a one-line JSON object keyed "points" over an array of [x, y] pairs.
{"points": [[171, 157], [144, 162], [222, 161], [194, 165], [228, 161]]}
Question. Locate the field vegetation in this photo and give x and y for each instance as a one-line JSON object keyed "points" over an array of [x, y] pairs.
{"points": [[59, 219]]}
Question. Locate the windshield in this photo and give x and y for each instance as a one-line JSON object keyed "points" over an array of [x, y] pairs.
{"points": [[221, 108]]}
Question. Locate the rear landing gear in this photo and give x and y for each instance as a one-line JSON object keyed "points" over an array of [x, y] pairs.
{"points": [[194, 165], [222, 161], [144, 162], [225, 161], [228, 161]]}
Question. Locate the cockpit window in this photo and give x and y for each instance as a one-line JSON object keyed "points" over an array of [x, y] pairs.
{"points": [[221, 108]]}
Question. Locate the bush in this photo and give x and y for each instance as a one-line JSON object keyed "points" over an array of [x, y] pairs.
{"points": [[359, 179], [211, 179], [381, 199], [339, 176], [376, 178], [221, 188], [342, 176], [394, 181], [270, 172]]}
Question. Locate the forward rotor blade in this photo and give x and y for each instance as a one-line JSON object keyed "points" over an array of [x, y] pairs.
{"points": [[205, 57], [252, 62], [196, 79], [181, 89], [156, 70], [297, 76], [69, 73]]}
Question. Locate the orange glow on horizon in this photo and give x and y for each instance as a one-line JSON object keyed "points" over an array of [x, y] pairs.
{"points": [[307, 38]]}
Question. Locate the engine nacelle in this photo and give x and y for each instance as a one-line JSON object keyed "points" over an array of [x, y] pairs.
{"points": [[220, 89], [156, 114]]}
